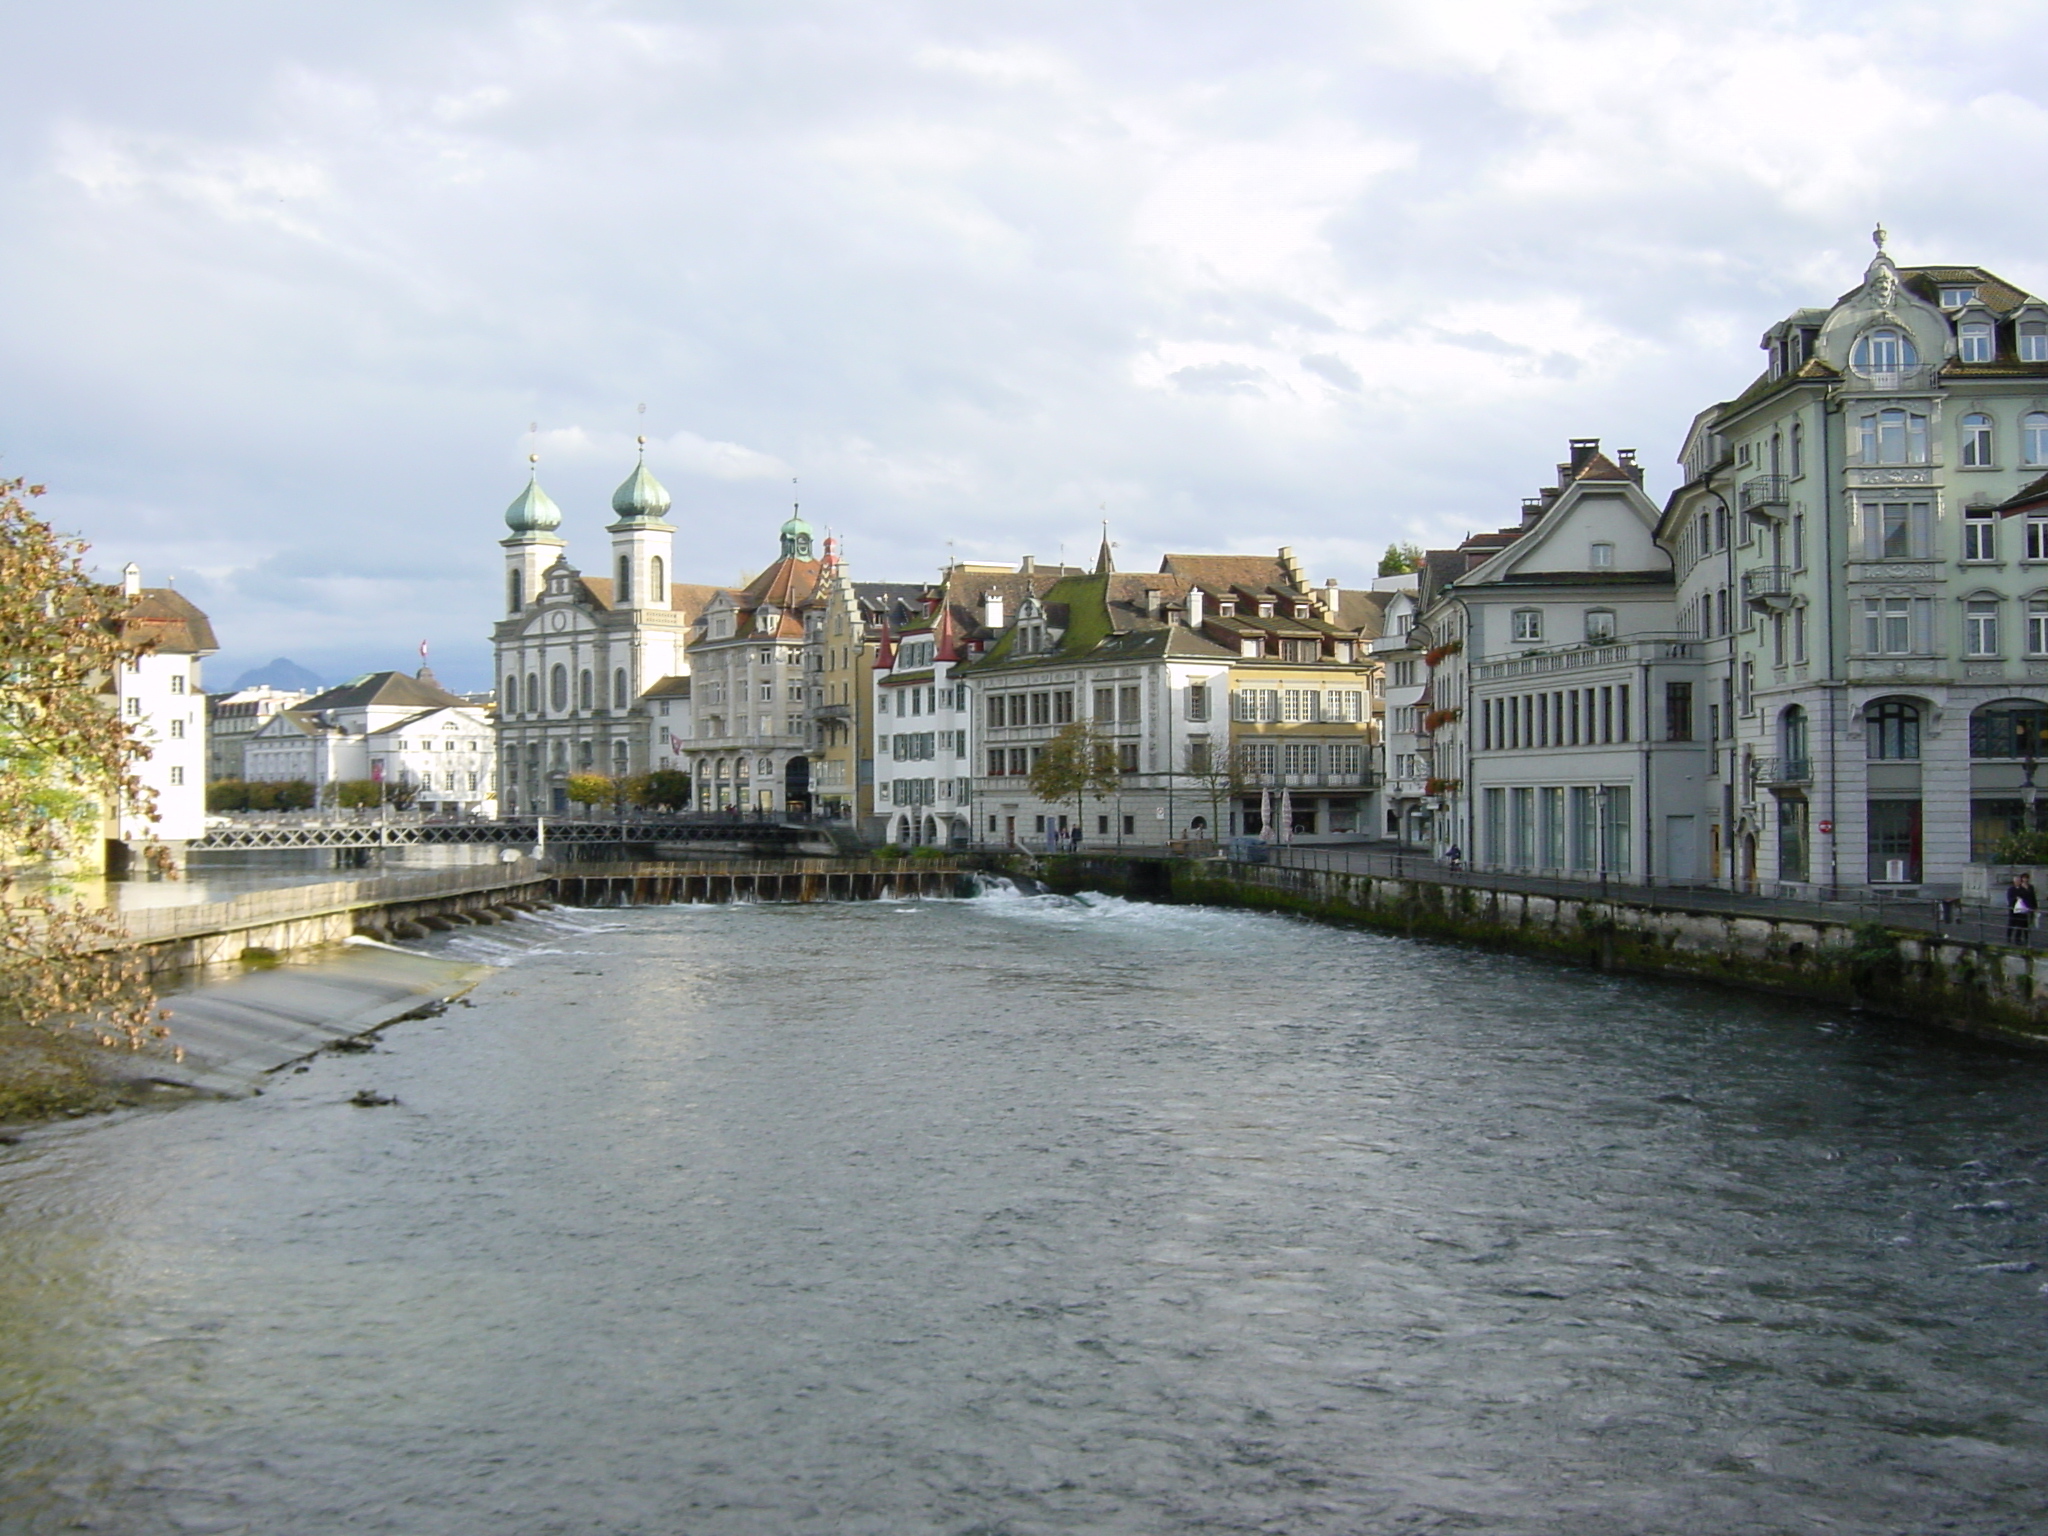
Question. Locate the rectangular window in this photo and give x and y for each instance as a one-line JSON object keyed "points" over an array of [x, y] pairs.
{"points": [[2033, 339], [1895, 626], [2037, 626], [1041, 709], [1020, 762], [1528, 624], [1973, 343], [177, 729], [1297, 705], [1303, 757], [1496, 827], [1127, 757], [1127, 705], [177, 682], [1898, 530], [1678, 711], [177, 775], [1522, 826], [1550, 828], [1105, 706], [2037, 538], [1347, 758], [998, 711], [1980, 537], [1585, 831], [1062, 707], [767, 693], [1198, 701], [1893, 841], [1618, 825], [1980, 627]]}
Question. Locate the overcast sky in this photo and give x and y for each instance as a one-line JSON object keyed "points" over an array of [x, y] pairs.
{"points": [[283, 286]]}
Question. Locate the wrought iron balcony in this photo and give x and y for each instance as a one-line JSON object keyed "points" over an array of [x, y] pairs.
{"points": [[1768, 586], [1784, 770], [1760, 491]]}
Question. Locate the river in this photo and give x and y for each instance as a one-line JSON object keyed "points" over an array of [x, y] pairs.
{"points": [[1022, 1215]]}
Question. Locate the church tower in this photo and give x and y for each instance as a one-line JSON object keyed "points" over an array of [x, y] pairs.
{"points": [[642, 544], [533, 518]]}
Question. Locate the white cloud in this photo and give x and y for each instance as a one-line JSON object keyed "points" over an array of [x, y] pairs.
{"points": [[1335, 274]]}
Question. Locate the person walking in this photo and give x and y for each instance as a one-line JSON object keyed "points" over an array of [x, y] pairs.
{"points": [[2019, 910]]}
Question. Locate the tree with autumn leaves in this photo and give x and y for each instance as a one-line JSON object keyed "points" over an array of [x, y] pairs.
{"points": [[65, 756]]}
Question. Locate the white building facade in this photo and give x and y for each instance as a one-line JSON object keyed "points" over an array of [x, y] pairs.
{"points": [[157, 692]]}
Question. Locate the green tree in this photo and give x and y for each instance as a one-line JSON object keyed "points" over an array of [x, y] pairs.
{"points": [[665, 789], [1400, 559], [65, 757], [588, 789], [349, 794], [227, 795], [1078, 764]]}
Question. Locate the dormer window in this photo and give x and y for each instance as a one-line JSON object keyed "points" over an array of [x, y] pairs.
{"points": [[1973, 342], [1265, 608], [1884, 350], [1956, 298], [1226, 608], [2033, 340]]}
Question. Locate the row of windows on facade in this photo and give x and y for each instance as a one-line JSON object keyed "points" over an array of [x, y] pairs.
{"points": [[558, 756], [176, 680], [1898, 436], [928, 700], [928, 791], [1568, 717], [622, 593], [1256, 759], [1583, 828], [1525, 625], [921, 746], [718, 728], [1885, 350], [715, 693], [528, 700]]}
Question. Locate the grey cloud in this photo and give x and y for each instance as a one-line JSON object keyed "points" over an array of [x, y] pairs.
{"points": [[1333, 369]]}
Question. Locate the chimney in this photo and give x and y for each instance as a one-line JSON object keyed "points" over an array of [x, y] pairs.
{"points": [[1583, 449], [1532, 508], [992, 609], [131, 580], [1331, 600], [1629, 464], [1029, 567], [1195, 598], [1151, 602]]}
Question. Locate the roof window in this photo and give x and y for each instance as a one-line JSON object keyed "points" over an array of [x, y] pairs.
{"points": [[1955, 297]]}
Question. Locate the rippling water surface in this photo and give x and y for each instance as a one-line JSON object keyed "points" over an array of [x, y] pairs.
{"points": [[1018, 1216]]}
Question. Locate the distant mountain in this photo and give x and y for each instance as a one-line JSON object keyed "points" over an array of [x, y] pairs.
{"points": [[281, 673]]}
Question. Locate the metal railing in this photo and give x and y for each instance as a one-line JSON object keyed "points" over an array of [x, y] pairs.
{"points": [[1763, 491], [1767, 581], [1880, 380], [1940, 917], [1783, 770]]}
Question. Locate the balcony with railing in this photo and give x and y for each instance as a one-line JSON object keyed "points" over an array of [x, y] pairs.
{"points": [[1590, 657], [1783, 770], [1768, 586], [1888, 380], [1760, 492]]}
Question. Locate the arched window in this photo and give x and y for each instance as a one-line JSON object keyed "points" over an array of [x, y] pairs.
{"points": [[584, 689], [515, 591], [1976, 441], [618, 757], [1792, 735], [2037, 626], [657, 588], [532, 693], [2010, 728], [558, 688], [2034, 437], [625, 593], [511, 693], [1973, 342], [1798, 446], [619, 698], [1884, 350], [586, 753]]}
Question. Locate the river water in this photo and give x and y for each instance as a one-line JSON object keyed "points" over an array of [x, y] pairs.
{"points": [[1016, 1216]]}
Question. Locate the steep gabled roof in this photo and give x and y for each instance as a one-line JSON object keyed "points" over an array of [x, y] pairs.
{"points": [[669, 688], [1259, 571], [2026, 498]]}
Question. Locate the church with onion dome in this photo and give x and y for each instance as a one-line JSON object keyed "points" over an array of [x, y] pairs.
{"points": [[593, 671]]}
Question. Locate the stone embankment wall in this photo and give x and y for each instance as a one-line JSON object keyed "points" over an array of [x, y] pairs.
{"points": [[1981, 988], [194, 937]]}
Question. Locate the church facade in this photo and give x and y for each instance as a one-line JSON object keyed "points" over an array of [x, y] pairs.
{"points": [[589, 666]]}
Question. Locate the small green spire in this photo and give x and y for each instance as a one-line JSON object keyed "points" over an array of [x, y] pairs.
{"points": [[533, 510]]}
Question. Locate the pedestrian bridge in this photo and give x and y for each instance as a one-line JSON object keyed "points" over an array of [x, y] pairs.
{"points": [[713, 833]]}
